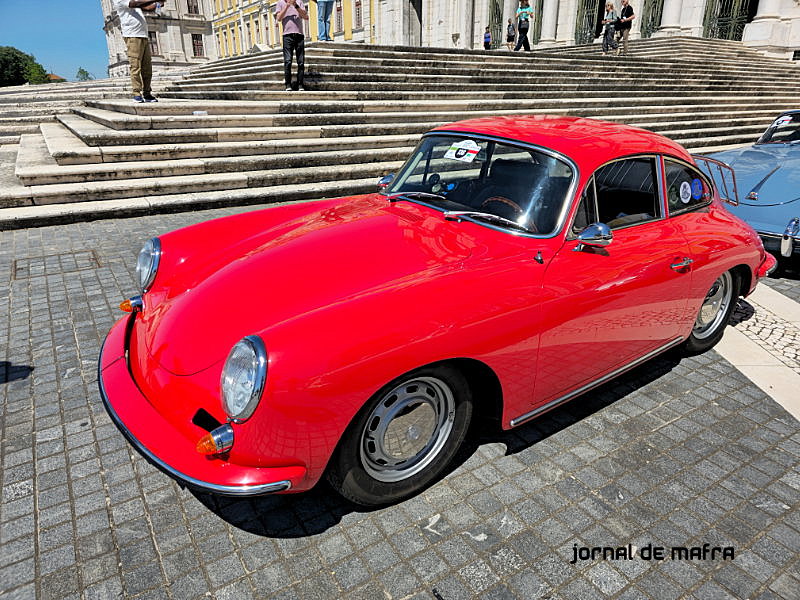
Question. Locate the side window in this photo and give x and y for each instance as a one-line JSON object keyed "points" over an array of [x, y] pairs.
{"points": [[587, 209], [686, 188], [627, 192]]}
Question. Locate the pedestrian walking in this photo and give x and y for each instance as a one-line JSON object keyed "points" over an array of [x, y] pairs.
{"points": [[624, 24], [487, 39], [609, 30], [291, 14], [511, 34], [524, 16], [324, 10], [133, 23]]}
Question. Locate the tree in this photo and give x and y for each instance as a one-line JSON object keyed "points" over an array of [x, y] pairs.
{"points": [[17, 68], [83, 75]]}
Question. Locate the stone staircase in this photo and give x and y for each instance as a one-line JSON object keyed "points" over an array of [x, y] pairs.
{"points": [[228, 134]]}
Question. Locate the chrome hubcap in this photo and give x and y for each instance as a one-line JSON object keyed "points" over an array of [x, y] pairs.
{"points": [[407, 429], [714, 307]]}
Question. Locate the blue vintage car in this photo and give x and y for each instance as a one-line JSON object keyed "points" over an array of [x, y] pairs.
{"points": [[768, 182]]}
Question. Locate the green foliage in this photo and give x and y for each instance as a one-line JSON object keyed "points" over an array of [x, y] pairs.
{"points": [[17, 68], [83, 75], [35, 73]]}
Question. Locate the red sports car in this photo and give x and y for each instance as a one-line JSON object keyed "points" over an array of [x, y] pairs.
{"points": [[511, 265]]}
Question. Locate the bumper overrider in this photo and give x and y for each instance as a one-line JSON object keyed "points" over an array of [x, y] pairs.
{"points": [[164, 446]]}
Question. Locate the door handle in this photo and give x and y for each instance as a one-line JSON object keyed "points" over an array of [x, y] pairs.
{"points": [[683, 264]]}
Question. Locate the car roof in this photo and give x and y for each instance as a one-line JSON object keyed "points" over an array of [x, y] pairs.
{"points": [[589, 142]]}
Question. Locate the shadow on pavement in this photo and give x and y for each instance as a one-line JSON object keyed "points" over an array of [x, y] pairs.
{"points": [[315, 511], [10, 372]]}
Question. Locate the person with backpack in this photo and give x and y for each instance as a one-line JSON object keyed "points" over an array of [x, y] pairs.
{"points": [[511, 34], [524, 16], [609, 30]]}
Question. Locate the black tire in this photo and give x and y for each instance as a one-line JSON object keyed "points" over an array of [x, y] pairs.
{"points": [[704, 338], [409, 403]]}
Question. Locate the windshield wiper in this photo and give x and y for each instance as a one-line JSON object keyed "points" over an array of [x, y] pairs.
{"points": [[476, 214], [398, 195]]}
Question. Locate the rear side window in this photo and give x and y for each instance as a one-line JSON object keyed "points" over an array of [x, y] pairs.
{"points": [[686, 188], [627, 192]]}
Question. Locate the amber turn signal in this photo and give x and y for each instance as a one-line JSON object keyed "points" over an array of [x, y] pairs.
{"points": [[217, 441], [134, 304]]}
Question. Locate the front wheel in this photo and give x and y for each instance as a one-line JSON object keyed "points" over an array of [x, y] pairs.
{"points": [[714, 314], [403, 438]]}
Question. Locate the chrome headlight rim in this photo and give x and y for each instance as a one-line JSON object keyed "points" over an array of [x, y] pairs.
{"points": [[256, 345], [151, 248]]}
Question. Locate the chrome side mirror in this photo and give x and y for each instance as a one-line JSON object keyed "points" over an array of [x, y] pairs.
{"points": [[385, 181], [596, 235]]}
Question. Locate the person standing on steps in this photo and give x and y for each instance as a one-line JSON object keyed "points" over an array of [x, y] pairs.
{"points": [[511, 34], [487, 39], [324, 11], [291, 14], [624, 24], [524, 16], [609, 31], [133, 23]]}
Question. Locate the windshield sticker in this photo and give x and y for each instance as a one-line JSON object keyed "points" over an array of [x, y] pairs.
{"points": [[686, 192], [782, 120], [465, 151], [697, 189]]}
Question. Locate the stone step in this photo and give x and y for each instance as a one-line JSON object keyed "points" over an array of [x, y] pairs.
{"points": [[8, 139], [182, 184], [442, 112], [95, 134], [17, 129], [68, 149], [35, 167], [600, 76], [370, 64], [36, 216], [183, 107]]}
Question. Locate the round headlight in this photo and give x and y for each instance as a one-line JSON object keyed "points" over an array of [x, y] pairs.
{"points": [[147, 263], [243, 378]]}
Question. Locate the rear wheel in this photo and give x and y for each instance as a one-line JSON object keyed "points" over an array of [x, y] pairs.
{"points": [[714, 314], [403, 438]]}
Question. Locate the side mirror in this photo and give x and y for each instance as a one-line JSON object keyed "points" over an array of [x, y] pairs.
{"points": [[385, 181], [596, 235]]}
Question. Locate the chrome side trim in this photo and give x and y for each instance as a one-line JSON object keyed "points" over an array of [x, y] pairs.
{"points": [[592, 384], [225, 490]]}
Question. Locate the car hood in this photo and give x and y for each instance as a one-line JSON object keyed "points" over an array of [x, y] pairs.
{"points": [[361, 246], [766, 174]]}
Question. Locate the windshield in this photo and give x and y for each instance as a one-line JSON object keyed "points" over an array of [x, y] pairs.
{"points": [[522, 185], [785, 130]]}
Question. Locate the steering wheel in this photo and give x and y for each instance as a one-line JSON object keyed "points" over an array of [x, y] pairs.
{"points": [[513, 205]]}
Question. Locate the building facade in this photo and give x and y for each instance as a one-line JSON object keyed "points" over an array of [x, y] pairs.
{"points": [[241, 26], [770, 25], [180, 37], [193, 31]]}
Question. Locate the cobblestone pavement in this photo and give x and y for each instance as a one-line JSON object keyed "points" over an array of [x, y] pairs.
{"points": [[778, 337], [788, 283], [680, 452]]}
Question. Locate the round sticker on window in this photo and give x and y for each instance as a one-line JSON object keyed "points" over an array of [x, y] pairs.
{"points": [[465, 151], [686, 192], [697, 189]]}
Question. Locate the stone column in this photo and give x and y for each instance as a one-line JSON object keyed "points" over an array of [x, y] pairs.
{"points": [[670, 19], [767, 31], [565, 28], [549, 17]]}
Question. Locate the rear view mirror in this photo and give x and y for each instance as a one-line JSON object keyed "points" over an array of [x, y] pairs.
{"points": [[596, 235], [723, 177], [385, 181]]}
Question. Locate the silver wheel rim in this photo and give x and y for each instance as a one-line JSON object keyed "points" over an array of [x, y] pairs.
{"points": [[407, 429], [714, 307]]}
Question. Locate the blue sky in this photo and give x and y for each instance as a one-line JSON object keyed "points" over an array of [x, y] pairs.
{"points": [[62, 34]]}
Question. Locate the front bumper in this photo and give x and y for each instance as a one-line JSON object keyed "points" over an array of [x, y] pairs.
{"points": [[167, 449]]}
